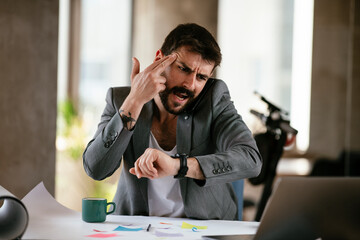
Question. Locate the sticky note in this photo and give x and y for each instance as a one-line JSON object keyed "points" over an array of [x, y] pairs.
{"points": [[103, 235], [186, 225], [121, 228]]}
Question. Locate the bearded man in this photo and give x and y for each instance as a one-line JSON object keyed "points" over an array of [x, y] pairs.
{"points": [[177, 133]]}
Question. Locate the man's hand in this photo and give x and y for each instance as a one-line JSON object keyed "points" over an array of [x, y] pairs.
{"points": [[155, 164], [144, 87], [146, 84]]}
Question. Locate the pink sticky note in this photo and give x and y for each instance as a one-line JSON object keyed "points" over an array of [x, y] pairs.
{"points": [[103, 235]]}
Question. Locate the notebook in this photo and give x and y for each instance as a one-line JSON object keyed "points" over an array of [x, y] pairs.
{"points": [[309, 208]]}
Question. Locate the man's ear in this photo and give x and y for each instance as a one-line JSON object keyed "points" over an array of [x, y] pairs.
{"points": [[159, 55]]}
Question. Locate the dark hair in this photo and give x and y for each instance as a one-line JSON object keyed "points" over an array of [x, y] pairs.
{"points": [[197, 38]]}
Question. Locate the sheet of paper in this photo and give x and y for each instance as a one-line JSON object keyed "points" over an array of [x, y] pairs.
{"points": [[51, 220], [168, 233]]}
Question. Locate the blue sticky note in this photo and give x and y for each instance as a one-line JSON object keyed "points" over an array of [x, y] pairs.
{"points": [[121, 228]]}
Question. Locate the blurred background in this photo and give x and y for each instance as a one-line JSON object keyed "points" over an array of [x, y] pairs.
{"points": [[59, 57]]}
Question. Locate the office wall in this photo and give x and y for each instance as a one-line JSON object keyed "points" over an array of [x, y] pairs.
{"points": [[335, 98], [28, 85]]}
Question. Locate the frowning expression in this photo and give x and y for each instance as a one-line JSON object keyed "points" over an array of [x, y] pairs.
{"points": [[185, 78]]}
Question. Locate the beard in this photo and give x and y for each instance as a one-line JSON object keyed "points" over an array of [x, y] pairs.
{"points": [[164, 97]]}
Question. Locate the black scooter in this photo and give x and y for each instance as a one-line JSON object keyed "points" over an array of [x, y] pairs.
{"points": [[271, 145]]}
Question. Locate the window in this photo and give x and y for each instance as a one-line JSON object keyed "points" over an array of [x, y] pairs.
{"points": [[102, 59], [105, 53], [266, 47]]}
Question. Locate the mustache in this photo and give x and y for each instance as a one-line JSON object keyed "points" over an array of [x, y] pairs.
{"points": [[182, 90]]}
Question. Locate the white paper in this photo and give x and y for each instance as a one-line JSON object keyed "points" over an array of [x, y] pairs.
{"points": [[51, 220]]}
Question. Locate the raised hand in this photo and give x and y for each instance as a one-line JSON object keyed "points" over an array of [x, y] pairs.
{"points": [[144, 87], [155, 164], [146, 84]]}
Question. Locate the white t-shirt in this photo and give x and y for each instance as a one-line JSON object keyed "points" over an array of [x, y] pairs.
{"points": [[164, 195]]}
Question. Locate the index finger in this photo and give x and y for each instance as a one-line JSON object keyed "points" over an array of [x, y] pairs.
{"points": [[165, 62]]}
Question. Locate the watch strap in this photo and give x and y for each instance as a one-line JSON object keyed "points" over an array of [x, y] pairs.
{"points": [[183, 165]]}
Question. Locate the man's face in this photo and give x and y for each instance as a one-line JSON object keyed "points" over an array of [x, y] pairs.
{"points": [[185, 78]]}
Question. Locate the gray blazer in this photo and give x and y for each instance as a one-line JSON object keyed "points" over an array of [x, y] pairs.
{"points": [[212, 131]]}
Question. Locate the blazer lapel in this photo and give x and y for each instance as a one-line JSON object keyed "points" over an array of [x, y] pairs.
{"points": [[183, 133], [142, 130], [141, 141], [183, 142]]}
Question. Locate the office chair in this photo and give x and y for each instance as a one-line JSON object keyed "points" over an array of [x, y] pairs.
{"points": [[239, 191]]}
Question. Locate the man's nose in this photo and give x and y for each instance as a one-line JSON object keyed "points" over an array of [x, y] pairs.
{"points": [[189, 82]]}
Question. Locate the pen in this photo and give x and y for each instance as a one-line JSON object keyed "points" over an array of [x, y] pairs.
{"points": [[148, 228]]}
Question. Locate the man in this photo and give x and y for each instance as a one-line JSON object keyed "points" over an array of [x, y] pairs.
{"points": [[179, 135]]}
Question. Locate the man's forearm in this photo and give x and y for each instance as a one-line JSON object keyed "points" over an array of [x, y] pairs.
{"points": [[129, 112], [194, 169]]}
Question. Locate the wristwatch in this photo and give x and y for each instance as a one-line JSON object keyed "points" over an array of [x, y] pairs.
{"points": [[183, 165]]}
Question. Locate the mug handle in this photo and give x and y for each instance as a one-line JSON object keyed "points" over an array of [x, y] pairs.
{"points": [[113, 210]]}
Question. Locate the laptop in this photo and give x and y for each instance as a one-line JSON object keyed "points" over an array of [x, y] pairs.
{"points": [[309, 208]]}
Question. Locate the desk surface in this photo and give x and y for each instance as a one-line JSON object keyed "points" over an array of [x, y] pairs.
{"points": [[50, 220]]}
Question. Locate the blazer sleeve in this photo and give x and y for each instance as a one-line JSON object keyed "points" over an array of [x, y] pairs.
{"points": [[236, 155], [103, 153]]}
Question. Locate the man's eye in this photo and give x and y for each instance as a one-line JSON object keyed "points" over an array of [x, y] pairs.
{"points": [[184, 69], [201, 77]]}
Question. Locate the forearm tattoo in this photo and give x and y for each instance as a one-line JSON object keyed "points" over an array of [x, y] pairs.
{"points": [[128, 121]]}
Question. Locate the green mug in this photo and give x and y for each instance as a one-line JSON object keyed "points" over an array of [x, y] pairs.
{"points": [[95, 209]]}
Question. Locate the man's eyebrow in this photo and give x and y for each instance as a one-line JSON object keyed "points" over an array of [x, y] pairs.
{"points": [[191, 70], [184, 64]]}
